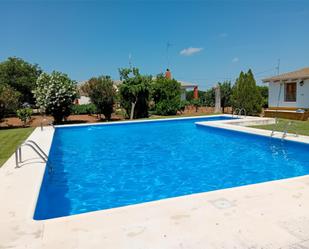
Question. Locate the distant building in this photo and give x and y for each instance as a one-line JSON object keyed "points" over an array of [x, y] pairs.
{"points": [[185, 86]]}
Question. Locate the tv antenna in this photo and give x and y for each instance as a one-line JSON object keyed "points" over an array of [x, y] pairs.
{"points": [[278, 67], [168, 45], [130, 60]]}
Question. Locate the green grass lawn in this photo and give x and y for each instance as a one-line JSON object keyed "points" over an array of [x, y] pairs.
{"points": [[9, 141], [301, 127]]}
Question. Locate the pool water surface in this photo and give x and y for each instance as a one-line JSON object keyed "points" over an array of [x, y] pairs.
{"points": [[105, 166]]}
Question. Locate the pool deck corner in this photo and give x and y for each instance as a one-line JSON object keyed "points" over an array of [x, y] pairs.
{"points": [[266, 215]]}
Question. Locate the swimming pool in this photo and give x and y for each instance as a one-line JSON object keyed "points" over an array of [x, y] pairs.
{"points": [[105, 166]]}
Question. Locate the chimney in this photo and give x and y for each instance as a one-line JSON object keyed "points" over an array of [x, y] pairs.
{"points": [[168, 74], [195, 92]]}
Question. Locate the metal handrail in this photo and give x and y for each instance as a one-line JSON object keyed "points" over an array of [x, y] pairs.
{"points": [[284, 129], [38, 147], [235, 112], [18, 154], [243, 110], [239, 111]]}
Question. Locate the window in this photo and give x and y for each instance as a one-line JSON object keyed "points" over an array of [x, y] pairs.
{"points": [[290, 92]]}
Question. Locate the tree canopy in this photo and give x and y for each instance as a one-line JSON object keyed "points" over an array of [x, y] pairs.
{"points": [[134, 92], [166, 95], [102, 94], [21, 76]]}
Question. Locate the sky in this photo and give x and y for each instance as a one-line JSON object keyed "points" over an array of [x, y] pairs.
{"points": [[202, 42]]}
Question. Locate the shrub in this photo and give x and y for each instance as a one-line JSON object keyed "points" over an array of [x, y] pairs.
{"points": [[24, 115], [55, 94], [196, 103], [183, 105], [9, 100], [166, 95], [102, 94], [84, 109]]}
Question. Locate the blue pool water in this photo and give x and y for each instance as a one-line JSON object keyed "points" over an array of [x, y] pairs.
{"points": [[106, 166]]}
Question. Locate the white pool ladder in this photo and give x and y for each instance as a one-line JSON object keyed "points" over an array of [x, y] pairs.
{"points": [[36, 148], [238, 112]]}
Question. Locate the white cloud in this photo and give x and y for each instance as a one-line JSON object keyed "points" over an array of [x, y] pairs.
{"points": [[235, 59], [190, 51]]}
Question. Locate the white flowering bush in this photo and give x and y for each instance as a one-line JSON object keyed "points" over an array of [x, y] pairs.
{"points": [[55, 94]]}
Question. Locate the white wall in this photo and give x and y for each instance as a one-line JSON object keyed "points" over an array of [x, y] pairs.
{"points": [[183, 95], [302, 96], [84, 100]]}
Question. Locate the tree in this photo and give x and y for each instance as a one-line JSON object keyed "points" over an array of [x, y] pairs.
{"points": [[246, 95], [9, 100], [225, 92], [264, 93], [55, 94], [190, 95], [209, 97], [21, 76], [102, 94], [166, 95], [134, 92]]}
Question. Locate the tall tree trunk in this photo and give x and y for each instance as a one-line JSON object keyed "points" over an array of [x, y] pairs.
{"points": [[132, 110]]}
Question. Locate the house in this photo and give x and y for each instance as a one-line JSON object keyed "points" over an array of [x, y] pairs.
{"points": [[289, 95], [185, 86]]}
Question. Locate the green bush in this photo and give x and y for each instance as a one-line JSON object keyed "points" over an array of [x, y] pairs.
{"points": [[183, 105], [84, 109], [24, 115], [196, 103]]}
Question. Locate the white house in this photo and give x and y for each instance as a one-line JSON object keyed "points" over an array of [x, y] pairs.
{"points": [[289, 93]]}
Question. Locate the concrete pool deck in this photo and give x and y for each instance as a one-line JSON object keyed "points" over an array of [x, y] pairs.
{"points": [[265, 215]]}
